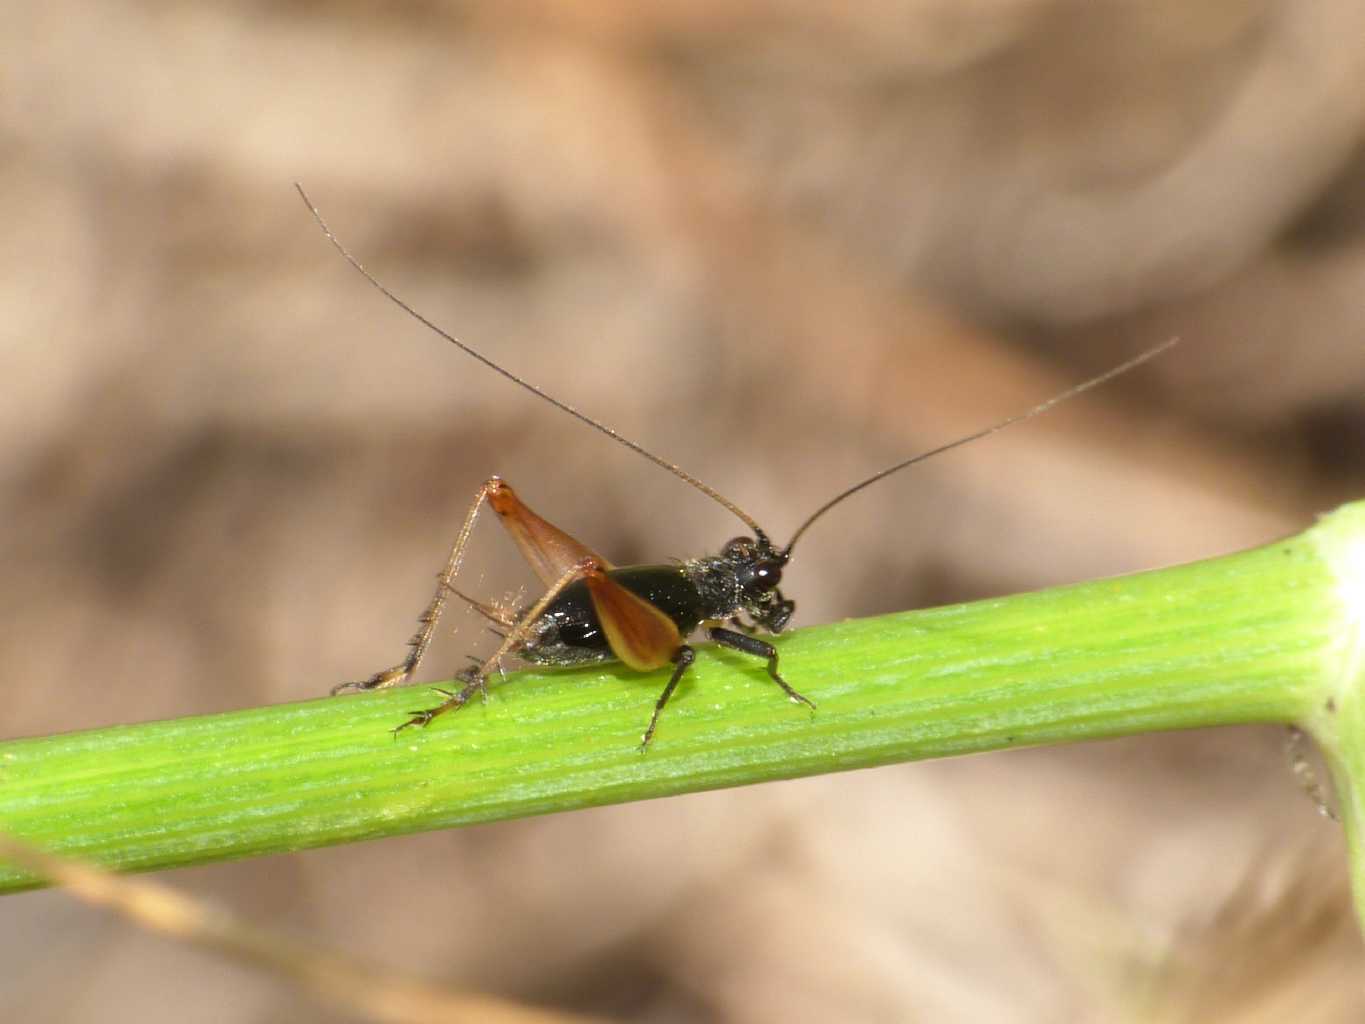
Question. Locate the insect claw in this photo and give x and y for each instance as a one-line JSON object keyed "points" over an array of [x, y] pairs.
{"points": [[416, 719], [379, 681], [421, 719]]}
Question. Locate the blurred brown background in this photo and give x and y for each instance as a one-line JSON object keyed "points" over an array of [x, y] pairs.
{"points": [[783, 243]]}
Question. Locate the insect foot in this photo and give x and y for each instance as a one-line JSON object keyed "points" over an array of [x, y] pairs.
{"points": [[454, 700], [418, 718], [395, 676]]}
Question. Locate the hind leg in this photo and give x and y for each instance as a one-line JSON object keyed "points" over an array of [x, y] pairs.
{"points": [[475, 679], [421, 640]]}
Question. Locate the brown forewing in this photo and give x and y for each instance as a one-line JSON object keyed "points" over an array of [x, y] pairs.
{"points": [[640, 634]]}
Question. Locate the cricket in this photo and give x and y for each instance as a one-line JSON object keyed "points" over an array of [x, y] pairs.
{"points": [[641, 615]]}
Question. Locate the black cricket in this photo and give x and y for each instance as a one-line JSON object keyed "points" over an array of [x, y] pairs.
{"points": [[641, 615]]}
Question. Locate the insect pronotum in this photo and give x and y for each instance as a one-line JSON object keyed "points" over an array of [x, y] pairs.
{"points": [[592, 611]]}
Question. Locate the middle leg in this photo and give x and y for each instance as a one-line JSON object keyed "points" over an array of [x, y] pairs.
{"points": [[682, 660]]}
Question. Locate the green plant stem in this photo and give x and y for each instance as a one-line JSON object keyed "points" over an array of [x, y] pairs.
{"points": [[1259, 636], [1336, 714]]}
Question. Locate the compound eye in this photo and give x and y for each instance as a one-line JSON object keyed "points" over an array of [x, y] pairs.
{"points": [[761, 579], [768, 574]]}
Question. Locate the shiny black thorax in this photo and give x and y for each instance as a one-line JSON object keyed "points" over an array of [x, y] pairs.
{"points": [[741, 580]]}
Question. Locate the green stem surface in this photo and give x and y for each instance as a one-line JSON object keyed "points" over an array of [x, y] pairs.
{"points": [[1259, 636]]}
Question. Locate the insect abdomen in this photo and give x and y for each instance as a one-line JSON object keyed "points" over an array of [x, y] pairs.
{"points": [[569, 633]]}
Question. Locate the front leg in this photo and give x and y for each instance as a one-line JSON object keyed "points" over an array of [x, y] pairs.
{"points": [[761, 649]]}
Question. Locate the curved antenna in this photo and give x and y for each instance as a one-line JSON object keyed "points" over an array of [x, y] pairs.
{"points": [[1071, 392], [676, 470]]}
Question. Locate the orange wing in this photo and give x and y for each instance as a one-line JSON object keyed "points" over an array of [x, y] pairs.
{"points": [[549, 550], [639, 634]]}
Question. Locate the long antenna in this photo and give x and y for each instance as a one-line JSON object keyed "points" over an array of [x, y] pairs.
{"points": [[1037, 410], [676, 470]]}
